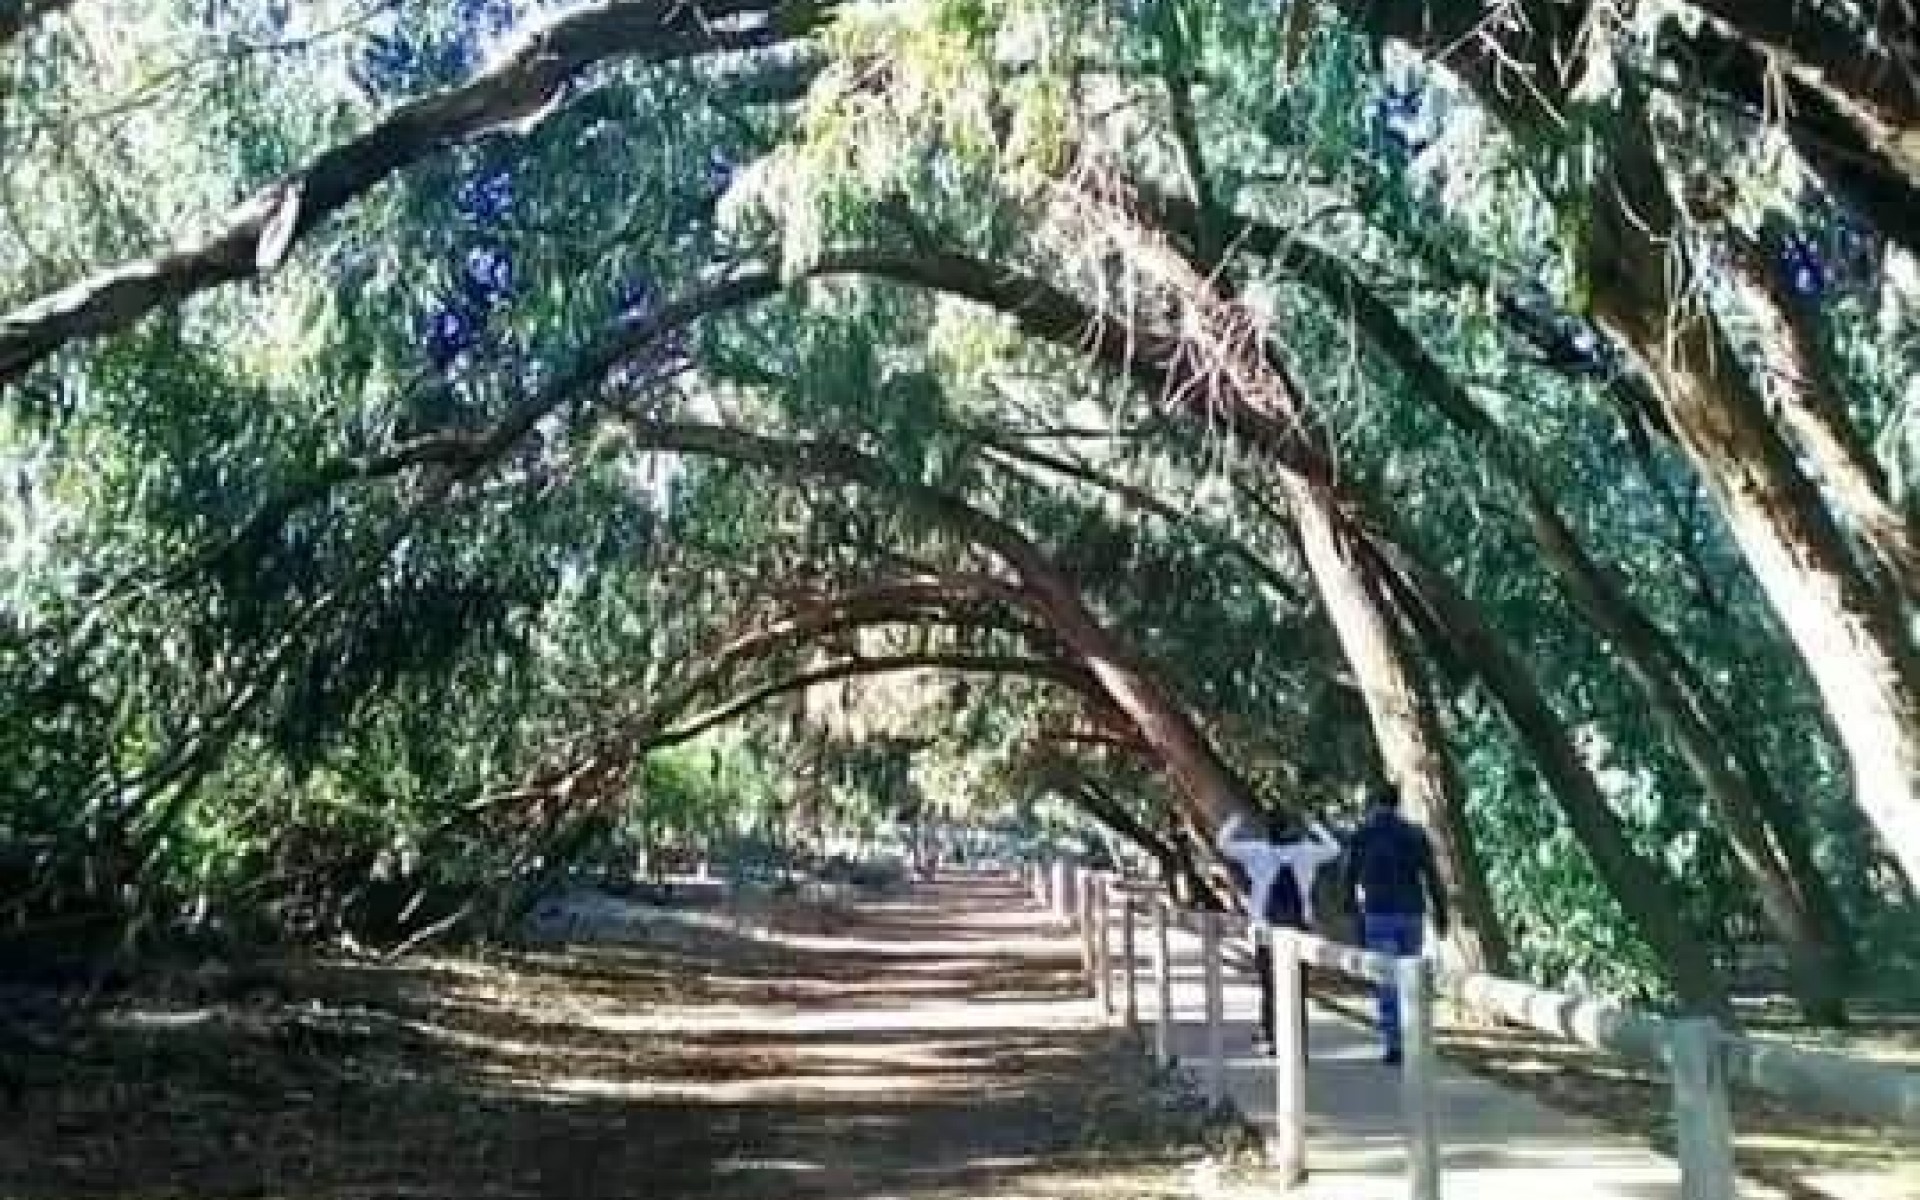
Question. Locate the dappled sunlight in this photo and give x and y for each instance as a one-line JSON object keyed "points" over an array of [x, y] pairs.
{"points": [[891, 1089], [1007, 1014], [725, 1071]]}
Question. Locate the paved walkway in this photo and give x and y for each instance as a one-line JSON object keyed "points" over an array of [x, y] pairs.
{"points": [[1498, 1143]]}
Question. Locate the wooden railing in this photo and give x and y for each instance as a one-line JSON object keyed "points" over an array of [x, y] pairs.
{"points": [[1701, 1058]]}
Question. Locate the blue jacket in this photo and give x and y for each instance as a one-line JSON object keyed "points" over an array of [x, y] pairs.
{"points": [[1390, 863]]}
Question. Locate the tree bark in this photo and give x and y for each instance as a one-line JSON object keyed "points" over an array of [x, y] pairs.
{"points": [[1815, 416], [1764, 833], [1641, 888], [1852, 123], [1848, 631], [1171, 857], [1849, 104], [255, 237], [1191, 762], [1845, 629], [1412, 744]]}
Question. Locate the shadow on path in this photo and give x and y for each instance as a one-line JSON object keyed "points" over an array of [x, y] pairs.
{"points": [[929, 1046]]}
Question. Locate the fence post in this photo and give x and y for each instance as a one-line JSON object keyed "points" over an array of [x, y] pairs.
{"points": [[1418, 1064], [1702, 1123], [1103, 942], [1059, 889], [1216, 1078], [1083, 905], [1163, 980], [1289, 1061], [1131, 961], [1106, 943]]}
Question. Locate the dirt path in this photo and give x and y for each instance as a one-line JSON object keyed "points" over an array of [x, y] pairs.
{"points": [[931, 1047]]}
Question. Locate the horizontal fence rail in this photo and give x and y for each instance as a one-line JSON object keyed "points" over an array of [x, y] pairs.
{"points": [[1700, 1058]]}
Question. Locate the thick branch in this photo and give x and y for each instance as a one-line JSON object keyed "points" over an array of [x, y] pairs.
{"points": [[1145, 501], [1810, 406], [956, 601], [1851, 103], [1639, 884], [254, 238], [1875, 72], [1050, 670]]}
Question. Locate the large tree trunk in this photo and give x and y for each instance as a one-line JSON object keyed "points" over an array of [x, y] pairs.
{"points": [[1814, 414], [1641, 888], [1766, 835], [1845, 628], [1191, 762], [1177, 869], [1412, 745], [1848, 631]]}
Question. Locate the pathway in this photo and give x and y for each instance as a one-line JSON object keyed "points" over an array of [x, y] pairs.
{"points": [[1499, 1143], [936, 1047]]}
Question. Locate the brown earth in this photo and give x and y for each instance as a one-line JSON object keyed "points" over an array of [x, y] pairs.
{"points": [[922, 1048]]}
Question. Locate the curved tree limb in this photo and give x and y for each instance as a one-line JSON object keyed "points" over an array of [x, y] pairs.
{"points": [[1147, 502], [1851, 102], [1051, 670], [955, 601], [254, 238], [1846, 623]]}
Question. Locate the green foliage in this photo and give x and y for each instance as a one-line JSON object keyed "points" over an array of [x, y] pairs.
{"points": [[238, 684]]}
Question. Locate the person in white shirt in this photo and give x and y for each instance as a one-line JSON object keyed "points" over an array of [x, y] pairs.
{"points": [[1277, 869]]}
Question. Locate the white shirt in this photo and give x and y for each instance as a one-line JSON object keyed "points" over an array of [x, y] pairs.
{"points": [[1263, 861]]}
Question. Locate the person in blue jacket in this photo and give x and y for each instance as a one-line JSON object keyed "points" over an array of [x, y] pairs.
{"points": [[1390, 870], [1277, 866]]}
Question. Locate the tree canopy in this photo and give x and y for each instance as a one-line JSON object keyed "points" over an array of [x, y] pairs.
{"points": [[442, 436]]}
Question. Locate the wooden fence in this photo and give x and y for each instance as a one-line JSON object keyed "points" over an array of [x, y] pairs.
{"points": [[1701, 1059]]}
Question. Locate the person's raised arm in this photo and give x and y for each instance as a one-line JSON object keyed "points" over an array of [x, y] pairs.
{"points": [[1233, 842], [1320, 846]]}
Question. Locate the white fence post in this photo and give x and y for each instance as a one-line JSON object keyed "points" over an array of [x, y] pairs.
{"points": [[1216, 1080], [1131, 961], [1702, 1122], [1103, 942], [1059, 889], [1083, 902], [1163, 981], [1289, 1061], [1418, 1066]]}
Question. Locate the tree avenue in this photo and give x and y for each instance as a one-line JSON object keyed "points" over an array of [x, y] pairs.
{"points": [[452, 441]]}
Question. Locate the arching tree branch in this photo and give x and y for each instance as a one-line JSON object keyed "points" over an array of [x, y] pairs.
{"points": [[254, 238], [1051, 670]]}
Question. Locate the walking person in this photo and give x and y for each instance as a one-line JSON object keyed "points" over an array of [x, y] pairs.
{"points": [[1278, 866], [1390, 867]]}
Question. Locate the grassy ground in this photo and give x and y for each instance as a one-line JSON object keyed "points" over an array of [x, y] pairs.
{"points": [[914, 1050]]}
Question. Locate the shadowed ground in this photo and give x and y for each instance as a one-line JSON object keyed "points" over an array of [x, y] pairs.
{"points": [[935, 1046]]}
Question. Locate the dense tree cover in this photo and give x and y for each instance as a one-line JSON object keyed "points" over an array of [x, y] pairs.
{"points": [[430, 424]]}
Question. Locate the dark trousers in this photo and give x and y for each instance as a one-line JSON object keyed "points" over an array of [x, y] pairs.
{"points": [[1263, 967], [1400, 935]]}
